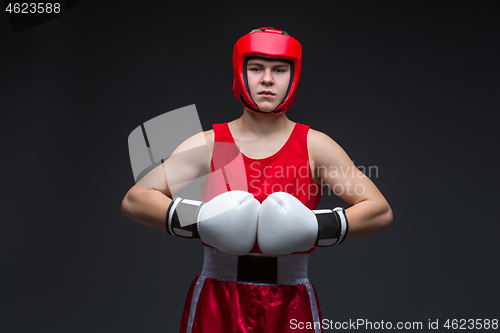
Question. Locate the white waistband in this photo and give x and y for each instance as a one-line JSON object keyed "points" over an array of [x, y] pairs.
{"points": [[292, 268]]}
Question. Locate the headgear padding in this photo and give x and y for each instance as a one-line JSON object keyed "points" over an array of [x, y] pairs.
{"points": [[270, 43]]}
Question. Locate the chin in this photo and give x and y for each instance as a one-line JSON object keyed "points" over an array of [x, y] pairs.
{"points": [[266, 107], [266, 110]]}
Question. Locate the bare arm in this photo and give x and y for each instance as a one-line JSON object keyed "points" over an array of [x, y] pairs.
{"points": [[147, 201], [370, 211], [148, 207]]}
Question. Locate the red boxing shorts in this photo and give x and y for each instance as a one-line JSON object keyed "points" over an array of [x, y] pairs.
{"points": [[219, 302]]}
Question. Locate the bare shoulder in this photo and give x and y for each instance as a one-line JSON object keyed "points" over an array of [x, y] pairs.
{"points": [[209, 139], [201, 139], [316, 137], [323, 149], [209, 136]]}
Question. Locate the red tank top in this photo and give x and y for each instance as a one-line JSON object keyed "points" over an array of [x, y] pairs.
{"points": [[287, 170]]}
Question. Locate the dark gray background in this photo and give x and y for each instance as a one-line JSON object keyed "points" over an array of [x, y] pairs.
{"points": [[409, 87]]}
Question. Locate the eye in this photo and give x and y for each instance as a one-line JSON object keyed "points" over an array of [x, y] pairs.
{"points": [[281, 70], [254, 69]]}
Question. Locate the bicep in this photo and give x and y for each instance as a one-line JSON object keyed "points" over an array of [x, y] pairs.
{"points": [[336, 170], [187, 161]]}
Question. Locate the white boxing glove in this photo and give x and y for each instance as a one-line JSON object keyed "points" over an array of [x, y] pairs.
{"points": [[228, 222], [285, 225]]}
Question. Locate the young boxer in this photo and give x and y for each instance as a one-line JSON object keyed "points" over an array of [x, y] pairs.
{"points": [[257, 242]]}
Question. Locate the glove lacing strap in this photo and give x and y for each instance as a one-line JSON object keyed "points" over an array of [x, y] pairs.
{"points": [[185, 211], [332, 226]]}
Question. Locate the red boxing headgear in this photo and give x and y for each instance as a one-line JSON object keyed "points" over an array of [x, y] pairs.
{"points": [[270, 43]]}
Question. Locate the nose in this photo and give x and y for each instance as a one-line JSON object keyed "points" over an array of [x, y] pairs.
{"points": [[267, 77]]}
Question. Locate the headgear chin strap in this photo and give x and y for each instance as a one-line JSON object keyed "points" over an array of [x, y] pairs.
{"points": [[270, 43]]}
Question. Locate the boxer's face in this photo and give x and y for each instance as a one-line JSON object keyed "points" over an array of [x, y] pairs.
{"points": [[268, 81]]}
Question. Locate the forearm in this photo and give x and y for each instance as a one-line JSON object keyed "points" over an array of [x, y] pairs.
{"points": [[367, 218], [148, 207]]}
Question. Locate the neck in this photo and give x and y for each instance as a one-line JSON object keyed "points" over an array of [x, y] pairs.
{"points": [[262, 124]]}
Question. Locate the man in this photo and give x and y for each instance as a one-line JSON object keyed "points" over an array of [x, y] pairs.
{"points": [[258, 237]]}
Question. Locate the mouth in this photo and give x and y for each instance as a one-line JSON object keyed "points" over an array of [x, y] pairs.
{"points": [[266, 93]]}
